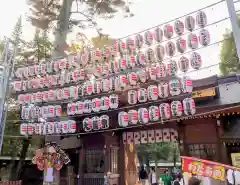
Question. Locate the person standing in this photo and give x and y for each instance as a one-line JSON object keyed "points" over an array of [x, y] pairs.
{"points": [[167, 178], [143, 175], [153, 179], [177, 180]]}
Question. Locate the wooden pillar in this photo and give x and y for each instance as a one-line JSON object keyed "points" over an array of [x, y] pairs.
{"points": [[122, 161], [81, 163], [181, 138]]}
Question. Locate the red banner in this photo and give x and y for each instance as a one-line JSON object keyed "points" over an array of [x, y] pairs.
{"points": [[201, 168]]}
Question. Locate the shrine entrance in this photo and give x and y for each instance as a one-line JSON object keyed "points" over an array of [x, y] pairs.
{"points": [[151, 148]]}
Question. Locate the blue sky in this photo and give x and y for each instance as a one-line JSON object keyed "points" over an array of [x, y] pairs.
{"points": [[148, 13]]}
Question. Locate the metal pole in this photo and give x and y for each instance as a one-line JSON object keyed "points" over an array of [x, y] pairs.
{"points": [[234, 22]]}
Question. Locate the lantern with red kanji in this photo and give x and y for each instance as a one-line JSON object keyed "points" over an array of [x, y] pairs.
{"points": [[153, 72], [140, 59], [123, 119], [132, 78], [123, 81], [79, 107], [154, 113], [17, 85], [181, 45], [133, 117], [105, 103], [152, 92], [131, 61], [168, 31], [170, 48], [87, 124], [187, 85], [96, 105], [24, 129], [192, 41]]}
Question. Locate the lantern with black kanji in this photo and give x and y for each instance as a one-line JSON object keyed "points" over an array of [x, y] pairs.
{"points": [[179, 27], [163, 90], [183, 64], [187, 85], [176, 108], [87, 124], [172, 68], [154, 113], [138, 41], [158, 34], [113, 101], [204, 37], [174, 87], [148, 38], [170, 48], [189, 106], [162, 72], [159, 52], [181, 45], [130, 44], [104, 119], [142, 95], [143, 115], [150, 55], [201, 19], [96, 104], [123, 119], [195, 60], [96, 123], [142, 75], [133, 117], [132, 97], [190, 23], [165, 111]]}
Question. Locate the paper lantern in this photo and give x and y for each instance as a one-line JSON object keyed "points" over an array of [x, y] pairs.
{"points": [[123, 81], [39, 97], [44, 111], [89, 87], [113, 85], [132, 97], [49, 66], [87, 124], [96, 54], [45, 96], [66, 93], [142, 75], [142, 95], [132, 78], [78, 75], [17, 85], [38, 129], [87, 106], [195, 60], [162, 72], [174, 87], [204, 37], [133, 117], [131, 61], [181, 45], [72, 126], [159, 52], [96, 123], [152, 92], [148, 38], [201, 19], [73, 60], [168, 31], [123, 63], [117, 86], [123, 119], [31, 71], [138, 41], [74, 92], [34, 98], [27, 99], [114, 66], [141, 59], [189, 106], [65, 126], [55, 65], [51, 95], [143, 115], [158, 34], [50, 127], [154, 113], [24, 85], [105, 69], [122, 47], [79, 107], [153, 72], [30, 129], [53, 80], [51, 111], [179, 27], [165, 111], [58, 110], [104, 119], [105, 103], [183, 64], [96, 86], [170, 48], [163, 90], [24, 129], [96, 104], [25, 113], [172, 68], [176, 108], [190, 23], [113, 101], [130, 44], [187, 85], [192, 41], [150, 55]]}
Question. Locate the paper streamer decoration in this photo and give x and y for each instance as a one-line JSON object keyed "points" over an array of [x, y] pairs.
{"points": [[154, 113], [201, 19], [123, 119], [183, 64], [170, 48], [165, 111], [189, 106], [174, 87], [181, 45], [192, 41], [163, 90], [176, 108], [142, 95], [133, 117], [143, 115], [190, 23], [204, 37], [158, 34], [132, 97], [179, 27], [148, 38], [195, 60], [152, 92], [168, 31], [138, 41], [159, 52]]}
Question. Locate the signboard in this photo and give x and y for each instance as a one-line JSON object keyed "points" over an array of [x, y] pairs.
{"points": [[203, 168], [210, 92], [235, 159]]}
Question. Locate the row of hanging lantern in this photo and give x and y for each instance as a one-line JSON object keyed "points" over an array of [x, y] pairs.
{"points": [[95, 105], [35, 112], [163, 90], [48, 128], [96, 123], [155, 113]]}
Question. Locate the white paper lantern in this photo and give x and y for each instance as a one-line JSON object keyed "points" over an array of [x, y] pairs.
{"points": [[179, 27], [89, 87], [123, 81], [168, 31], [43, 67], [176, 108], [165, 111], [141, 59], [39, 97], [174, 87], [51, 111], [104, 119], [189, 106], [58, 110], [163, 90], [148, 38], [51, 95], [195, 60], [142, 95], [170, 48], [45, 96], [44, 111], [73, 60], [38, 129], [96, 123], [138, 41], [122, 47], [190, 23], [158, 34], [53, 80], [27, 98], [105, 103], [19, 73], [97, 54], [49, 66], [30, 129], [142, 75], [105, 86], [87, 108], [17, 85], [192, 41], [131, 61], [25, 113], [87, 124], [133, 117], [72, 126], [114, 66], [154, 113], [132, 78], [79, 107], [65, 126], [66, 93], [159, 52], [24, 85], [187, 86], [123, 119], [113, 101], [201, 19], [123, 63], [24, 129], [149, 55], [172, 68], [162, 72], [181, 45], [117, 86], [50, 127], [31, 71], [34, 98], [96, 86], [152, 92], [74, 92], [183, 64], [130, 44], [96, 104], [153, 72], [204, 37], [143, 115], [44, 128], [132, 97], [106, 52]]}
